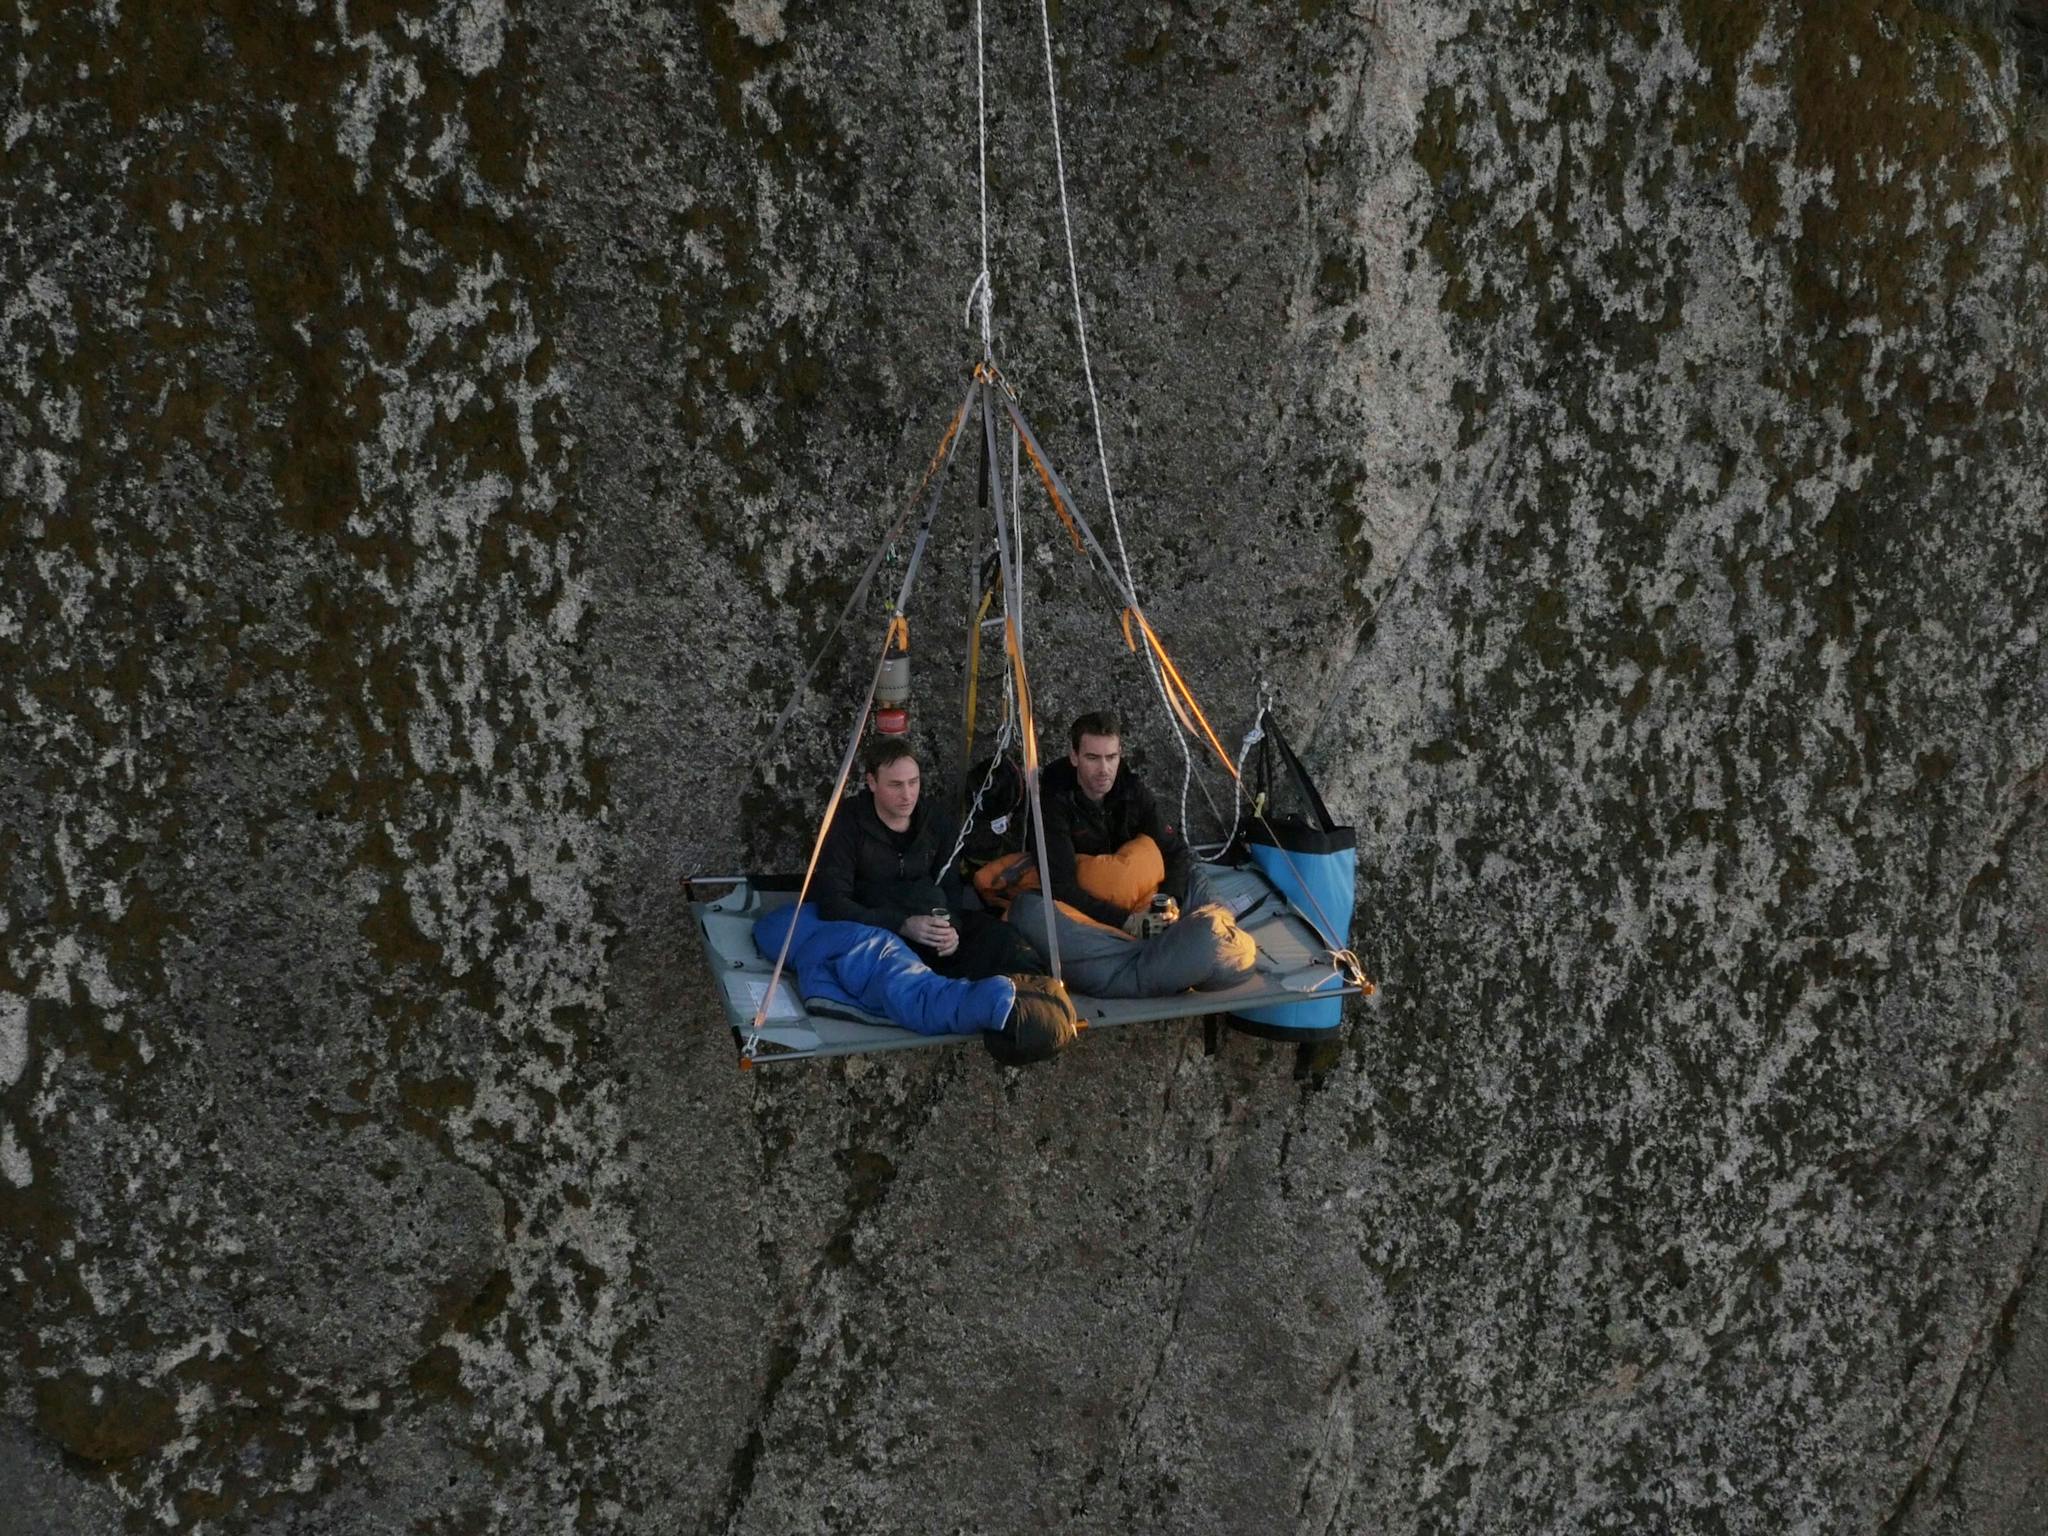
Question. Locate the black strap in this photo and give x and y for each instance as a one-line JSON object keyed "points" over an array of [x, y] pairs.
{"points": [[1271, 737]]}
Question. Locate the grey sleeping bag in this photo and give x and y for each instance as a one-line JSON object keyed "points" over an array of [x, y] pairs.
{"points": [[1204, 950]]}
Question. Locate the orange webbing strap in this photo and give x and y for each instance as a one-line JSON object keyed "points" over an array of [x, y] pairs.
{"points": [[1185, 706], [1013, 648], [1180, 687], [945, 449], [831, 810], [810, 869], [1059, 502], [1165, 689], [1179, 696], [899, 634]]}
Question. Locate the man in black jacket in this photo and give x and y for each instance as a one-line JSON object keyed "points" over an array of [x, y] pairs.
{"points": [[1094, 804], [886, 863]]}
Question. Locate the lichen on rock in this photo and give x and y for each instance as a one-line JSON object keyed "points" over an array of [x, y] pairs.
{"points": [[435, 433]]}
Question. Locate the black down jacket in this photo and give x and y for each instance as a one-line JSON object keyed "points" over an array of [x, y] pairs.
{"points": [[1074, 824], [869, 874]]}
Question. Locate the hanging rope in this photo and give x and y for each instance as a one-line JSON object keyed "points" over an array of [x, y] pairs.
{"points": [[1059, 159], [983, 288], [1252, 738]]}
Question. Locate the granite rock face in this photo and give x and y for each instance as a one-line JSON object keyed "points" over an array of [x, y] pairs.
{"points": [[306, 1132], [432, 438]]}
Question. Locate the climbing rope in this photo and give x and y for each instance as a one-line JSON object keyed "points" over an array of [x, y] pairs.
{"points": [[1059, 159], [1252, 738], [983, 289]]}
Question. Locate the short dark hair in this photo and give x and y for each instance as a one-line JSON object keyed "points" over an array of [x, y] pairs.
{"points": [[884, 750], [1097, 722]]}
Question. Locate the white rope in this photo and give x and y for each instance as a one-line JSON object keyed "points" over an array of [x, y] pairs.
{"points": [[1095, 407], [983, 288], [979, 295], [1252, 738]]}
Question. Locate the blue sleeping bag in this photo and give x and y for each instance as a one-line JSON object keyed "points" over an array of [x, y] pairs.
{"points": [[853, 965]]}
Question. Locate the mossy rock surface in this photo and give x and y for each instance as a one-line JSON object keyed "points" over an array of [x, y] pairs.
{"points": [[434, 435]]}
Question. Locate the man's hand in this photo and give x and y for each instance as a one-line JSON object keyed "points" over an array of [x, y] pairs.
{"points": [[932, 932], [1150, 922]]}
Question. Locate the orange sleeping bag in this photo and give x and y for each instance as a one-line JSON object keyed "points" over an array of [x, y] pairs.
{"points": [[1127, 878]]}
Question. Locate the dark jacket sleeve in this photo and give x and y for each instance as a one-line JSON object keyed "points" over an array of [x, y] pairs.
{"points": [[838, 878], [1057, 818], [1173, 848]]}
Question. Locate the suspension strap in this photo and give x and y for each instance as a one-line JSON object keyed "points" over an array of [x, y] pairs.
{"points": [[1187, 705], [974, 624], [1173, 687], [1013, 639]]}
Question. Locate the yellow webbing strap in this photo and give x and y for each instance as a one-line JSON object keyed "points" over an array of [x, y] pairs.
{"points": [[899, 634], [974, 673], [1028, 720]]}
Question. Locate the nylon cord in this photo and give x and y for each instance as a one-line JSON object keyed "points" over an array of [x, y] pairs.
{"points": [[983, 288], [1059, 158]]}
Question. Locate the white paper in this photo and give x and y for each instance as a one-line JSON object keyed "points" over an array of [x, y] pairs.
{"points": [[747, 992]]}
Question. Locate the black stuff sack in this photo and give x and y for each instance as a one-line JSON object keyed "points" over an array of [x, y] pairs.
{"points": [[1040, 1025]]}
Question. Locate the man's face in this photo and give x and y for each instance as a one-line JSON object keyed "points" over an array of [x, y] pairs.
{"points": [[895, 788], [1095, 761]]}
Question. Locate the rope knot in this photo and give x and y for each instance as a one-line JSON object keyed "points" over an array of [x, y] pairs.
{"points": [[984, 293]]}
